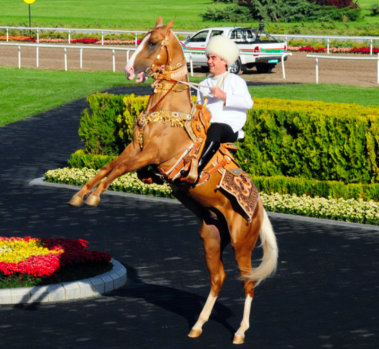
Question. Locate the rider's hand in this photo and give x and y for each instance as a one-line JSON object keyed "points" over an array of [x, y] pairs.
{"points": [[218, 93]]}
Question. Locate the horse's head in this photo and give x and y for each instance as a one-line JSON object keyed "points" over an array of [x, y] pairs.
{"points": [[153, 51]]}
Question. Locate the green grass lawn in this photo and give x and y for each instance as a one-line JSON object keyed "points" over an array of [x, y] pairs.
{"points": [[123, 14], [26, 92], [319, 92]]}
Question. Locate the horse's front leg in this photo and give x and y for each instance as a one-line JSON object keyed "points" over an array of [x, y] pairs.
{"points": [[130, 151], [146, 157]]}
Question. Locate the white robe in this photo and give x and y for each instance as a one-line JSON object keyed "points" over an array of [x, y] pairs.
{"points": [[238, 100]]}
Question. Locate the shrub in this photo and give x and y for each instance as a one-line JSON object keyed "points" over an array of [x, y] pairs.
{"points": [[374, 10], [106, 128], [314, 140]]}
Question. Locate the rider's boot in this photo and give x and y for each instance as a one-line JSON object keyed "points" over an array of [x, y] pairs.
{"points": [[210, 150]]}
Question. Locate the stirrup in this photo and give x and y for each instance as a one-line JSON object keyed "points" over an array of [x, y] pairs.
{"points": [[192, 175]]}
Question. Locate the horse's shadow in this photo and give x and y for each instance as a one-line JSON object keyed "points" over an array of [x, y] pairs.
{"points": [[183, 303]]}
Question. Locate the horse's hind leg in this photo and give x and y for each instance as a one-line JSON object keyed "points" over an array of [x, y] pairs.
{"points": [[77, 199], [214, 243]]}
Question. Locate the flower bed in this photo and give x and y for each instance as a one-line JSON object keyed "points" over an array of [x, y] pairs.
{"points": [[354, 50], [43, 258], [93, 41], [357, 211]]}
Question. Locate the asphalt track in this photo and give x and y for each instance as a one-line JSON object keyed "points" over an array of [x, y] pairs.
{"points": [[325, 293]]}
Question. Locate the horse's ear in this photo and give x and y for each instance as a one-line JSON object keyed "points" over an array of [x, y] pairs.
{"points": [[170, 25], [159, 21]]}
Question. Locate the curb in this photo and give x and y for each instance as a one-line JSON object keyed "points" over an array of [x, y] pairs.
{"points": [[66, 291], [40, 181]]}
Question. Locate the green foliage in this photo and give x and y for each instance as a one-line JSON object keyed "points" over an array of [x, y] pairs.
{"points": [[313, 140], [99, 124], [315, 188], [82, 159], [280, 10], [106, 128], [374, 10]]}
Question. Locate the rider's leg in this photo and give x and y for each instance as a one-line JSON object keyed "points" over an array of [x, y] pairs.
{"points": [[217, 133]]}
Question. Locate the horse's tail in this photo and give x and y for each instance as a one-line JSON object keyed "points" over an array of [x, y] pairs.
{"points": [[270, 254]]}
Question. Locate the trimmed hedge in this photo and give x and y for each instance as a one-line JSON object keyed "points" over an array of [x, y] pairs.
{"points": [[315, 188], [314, 140], [298, 139], [106, 127]]}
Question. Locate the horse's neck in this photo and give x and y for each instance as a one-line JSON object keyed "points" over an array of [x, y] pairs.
{"points": [[174, 101]]}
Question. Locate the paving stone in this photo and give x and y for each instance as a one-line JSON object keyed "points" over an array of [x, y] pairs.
{"points": [[325, 293]]}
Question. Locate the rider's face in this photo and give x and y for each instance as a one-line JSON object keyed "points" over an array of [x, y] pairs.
{"points": [[216, 65]]}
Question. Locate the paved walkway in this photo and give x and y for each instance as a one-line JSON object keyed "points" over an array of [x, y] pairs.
{"points": [[324, 295]]}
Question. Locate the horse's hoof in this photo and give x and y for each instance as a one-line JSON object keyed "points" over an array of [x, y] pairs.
{"points": [[238, 339], [92, 200], [195, 333], [76, 201]]}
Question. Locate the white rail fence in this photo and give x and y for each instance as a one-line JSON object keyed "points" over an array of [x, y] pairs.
{"points": [[113, 49], [327, 38], [85, 31], [65, 47], [317, 57]]}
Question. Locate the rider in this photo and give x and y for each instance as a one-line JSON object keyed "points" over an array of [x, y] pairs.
{"points": [[229, 102]]}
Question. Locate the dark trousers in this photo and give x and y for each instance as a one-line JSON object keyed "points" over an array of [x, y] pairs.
{"points": [[221, 133]]}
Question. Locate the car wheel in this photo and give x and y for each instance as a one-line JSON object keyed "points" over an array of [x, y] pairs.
{"points": [[236, 67], [264, 68]]}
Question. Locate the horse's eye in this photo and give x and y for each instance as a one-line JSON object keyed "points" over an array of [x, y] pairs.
{"points": [[152, 44]]}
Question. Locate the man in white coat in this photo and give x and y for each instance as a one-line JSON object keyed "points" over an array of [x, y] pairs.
{"points": [[229, 102]]}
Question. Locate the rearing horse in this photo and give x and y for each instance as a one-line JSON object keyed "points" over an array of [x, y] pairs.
{"points": [[160, 144]]}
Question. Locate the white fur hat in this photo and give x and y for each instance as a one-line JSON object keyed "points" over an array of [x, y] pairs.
{"points": [[223, 47]]}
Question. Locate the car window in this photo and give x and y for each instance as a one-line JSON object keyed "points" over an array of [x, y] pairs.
{"points": [[216, 32], [200, 37], [243, 35]]}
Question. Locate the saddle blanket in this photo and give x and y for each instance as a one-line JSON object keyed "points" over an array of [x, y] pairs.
{"points": [[243, 189]]}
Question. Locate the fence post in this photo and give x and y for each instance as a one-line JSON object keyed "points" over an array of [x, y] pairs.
{"points": [[19, 57], [316, 70], [371, 47], [65, 59], [127, 57], [37, 56], [114, 61], [69, 36], [378, 68], [284, 72], [7, 34], [102, 38], [327, 50], [81, 58], [135, 43], [191, 64]]}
